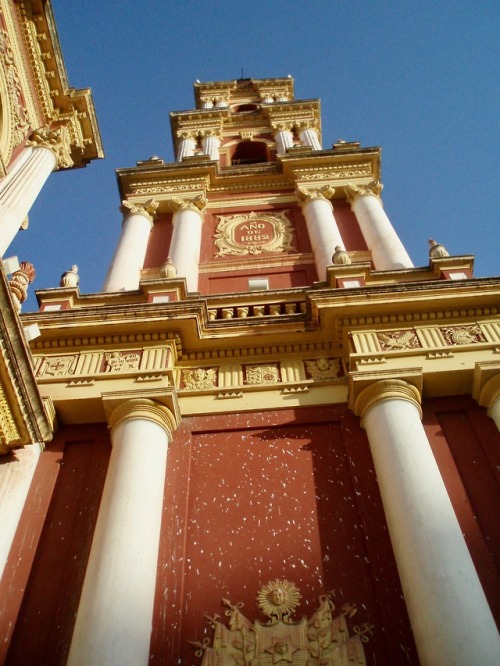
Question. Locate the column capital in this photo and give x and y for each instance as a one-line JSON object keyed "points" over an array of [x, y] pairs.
{"points": [[196, 204], [281, 126], [211, 131], [145, 208], [57, 141], [145, 409], [366, 388], [354, 191], [306, 194], [184, 134], [386, 389], [486, 383]]}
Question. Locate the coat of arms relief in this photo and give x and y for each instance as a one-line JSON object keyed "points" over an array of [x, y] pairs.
{"points": [[322, 640]]}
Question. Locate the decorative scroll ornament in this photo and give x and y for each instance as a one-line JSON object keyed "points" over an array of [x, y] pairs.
{"points": [[253, 233], [19, 120], [353, 191], [305, 194], [323, 369], [55, 140], [322, 640], [200, 378], [398, 340], [197, 203]]}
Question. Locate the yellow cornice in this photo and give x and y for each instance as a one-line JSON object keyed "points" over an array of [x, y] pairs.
{"points": [[50, 101]]}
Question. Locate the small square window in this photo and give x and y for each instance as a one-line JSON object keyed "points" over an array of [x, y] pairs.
{"points": [[258, 284]]}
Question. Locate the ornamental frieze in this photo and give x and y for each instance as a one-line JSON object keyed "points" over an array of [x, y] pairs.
{"points": [[262, 374], [463, 335], [396, 340], [253, 233], [324, 369], [200, 378], [116, 361], [323, 639]]}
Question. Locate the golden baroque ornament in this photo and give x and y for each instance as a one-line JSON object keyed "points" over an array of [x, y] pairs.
{"points": [[322, 640], [253, 233]]}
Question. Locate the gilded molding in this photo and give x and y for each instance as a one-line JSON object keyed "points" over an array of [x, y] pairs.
{"points": [[353, 191], [9, 432], [386, 389]]}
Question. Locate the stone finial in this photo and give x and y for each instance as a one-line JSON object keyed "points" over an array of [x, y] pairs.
{"points": [[19, 283], [437, 251], [70, 278], [168, 270], [341, 257]]}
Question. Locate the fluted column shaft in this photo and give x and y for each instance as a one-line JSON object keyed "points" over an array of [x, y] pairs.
{"points": [[185, 148], [124, 271], [210, 146], [185, 246], [284, 140], [113, 624], [449, 614], [309, 137], [20, 188], [323, 231], [388, 252]]}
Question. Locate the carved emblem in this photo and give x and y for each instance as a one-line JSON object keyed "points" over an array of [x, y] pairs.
{"points": [[463, 335], [398, 340], [262, 374], [253, 233], [118, 361], [323, 640], [323, 368], [59, 366], [200, 378]]}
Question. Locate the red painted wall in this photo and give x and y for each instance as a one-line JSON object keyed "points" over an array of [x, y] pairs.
{"points": [[68, 482], [257, 496], [466, 444]]}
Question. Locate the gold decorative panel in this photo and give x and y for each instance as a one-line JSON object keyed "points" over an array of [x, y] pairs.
{"points": [[253, 233]]}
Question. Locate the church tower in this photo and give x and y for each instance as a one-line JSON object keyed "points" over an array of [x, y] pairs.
{"points": [[268, 404]]}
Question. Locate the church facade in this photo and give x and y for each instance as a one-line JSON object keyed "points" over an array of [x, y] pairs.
{"points": [[275, 438]]}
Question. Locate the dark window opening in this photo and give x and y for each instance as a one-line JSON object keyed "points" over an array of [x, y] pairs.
{"points": [[245, 107], [250, 152]]}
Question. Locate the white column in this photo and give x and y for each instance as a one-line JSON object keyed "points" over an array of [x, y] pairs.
{"points": [[388, 252], [309, 137], [494, 411], [113, 623], [124, 271], [20, 189], [210, 146], [449, 614], [322, 227], [15, 481], [185, 147], [489, 396], [283, 138], [185, 245]]}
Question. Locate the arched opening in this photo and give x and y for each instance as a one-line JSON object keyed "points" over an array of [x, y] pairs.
{"points": [[250, 152], [245, 107]]}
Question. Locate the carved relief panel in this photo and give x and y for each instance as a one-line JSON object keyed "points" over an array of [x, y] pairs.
{"points": [[253, 233]]}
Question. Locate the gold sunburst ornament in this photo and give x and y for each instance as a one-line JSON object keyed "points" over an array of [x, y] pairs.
{"points": [[278, 599]]}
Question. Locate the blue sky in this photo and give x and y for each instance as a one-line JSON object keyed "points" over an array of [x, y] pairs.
{"points": [[419, 79]]}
